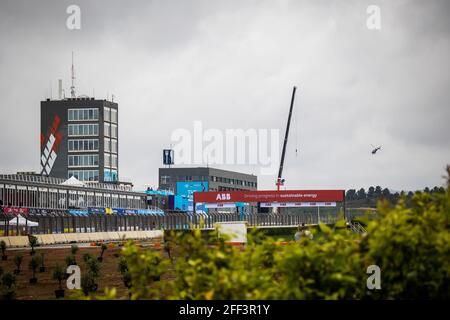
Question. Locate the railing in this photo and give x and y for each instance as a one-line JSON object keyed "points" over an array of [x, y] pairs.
{"points": [[356, 227], [57, 181], [174, 220]]}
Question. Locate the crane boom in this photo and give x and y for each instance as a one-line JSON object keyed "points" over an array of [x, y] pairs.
{"points": [[280, 171]]}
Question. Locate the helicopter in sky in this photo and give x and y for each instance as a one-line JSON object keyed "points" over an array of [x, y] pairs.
{"points": [[375, 149]]}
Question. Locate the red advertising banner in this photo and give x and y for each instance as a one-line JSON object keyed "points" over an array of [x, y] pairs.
{"points": [[271, 196], [15, 210]]}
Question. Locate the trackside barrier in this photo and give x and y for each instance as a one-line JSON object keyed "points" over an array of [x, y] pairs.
{"points": [[83, 237], [67, 238], [18, 241], [71, 237], [104, 236], [114, 236], [45, 239], [94, 236], [60, 238]]}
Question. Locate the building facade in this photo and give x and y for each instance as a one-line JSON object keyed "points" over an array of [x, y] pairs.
{"points": [[216, 179], [79, 137], [59, 206], [48, 193]]}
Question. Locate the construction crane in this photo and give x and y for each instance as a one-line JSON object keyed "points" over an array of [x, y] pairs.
{"points": [[280, 181]]}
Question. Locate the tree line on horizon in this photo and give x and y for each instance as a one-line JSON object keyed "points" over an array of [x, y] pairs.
{"points": [[373, 194]]}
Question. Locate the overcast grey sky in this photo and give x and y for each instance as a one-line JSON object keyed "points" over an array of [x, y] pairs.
{"points": [[232, 64]]}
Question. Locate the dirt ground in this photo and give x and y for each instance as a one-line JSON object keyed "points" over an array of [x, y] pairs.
{"points": [[45, 287]]}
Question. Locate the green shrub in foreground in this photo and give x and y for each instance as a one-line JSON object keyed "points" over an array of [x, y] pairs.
{"points": [[411, 245]]}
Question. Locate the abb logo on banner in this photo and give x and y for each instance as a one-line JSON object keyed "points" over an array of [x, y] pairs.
{"points": [[223, 196], [283, 196]]}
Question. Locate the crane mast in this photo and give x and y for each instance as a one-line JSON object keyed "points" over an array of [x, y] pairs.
{"points": [[280, 171]]}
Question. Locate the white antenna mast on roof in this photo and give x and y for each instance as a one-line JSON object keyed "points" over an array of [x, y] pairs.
{"points": [[72, 88]]}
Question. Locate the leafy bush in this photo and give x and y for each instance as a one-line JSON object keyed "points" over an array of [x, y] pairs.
{"points": [[409, 242], [34, 263], [330, 268], [3, 249], [125, 273], [88, 284], [70, 260], [103, 248], [145, 268], [123, 265], [412, 247], [87, 257], [18, 263], [93, 266], [33, 241], [7, 286], [58, 275], [74, 249]]}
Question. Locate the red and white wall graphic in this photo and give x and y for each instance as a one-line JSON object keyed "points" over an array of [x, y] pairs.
{"points": [[49, 147], [297, 204], [220, 205], [269, 196]]}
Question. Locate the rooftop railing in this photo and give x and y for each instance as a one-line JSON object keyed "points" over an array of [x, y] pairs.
{"points": [[58, 181]]}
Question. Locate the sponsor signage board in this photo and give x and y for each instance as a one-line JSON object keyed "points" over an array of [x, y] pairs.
{"points": [[220, 205], [15, 210], [267, 196]]}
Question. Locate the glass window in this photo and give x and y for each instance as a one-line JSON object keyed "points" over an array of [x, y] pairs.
{"points": [[83, 129], [107, 160], [114, 146], [83, 160], [83, 114], [84, 175], [107, 144], [114, 131], [107, 129], [113, 115], [83, 145], [106, 114], [114, 161]]}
